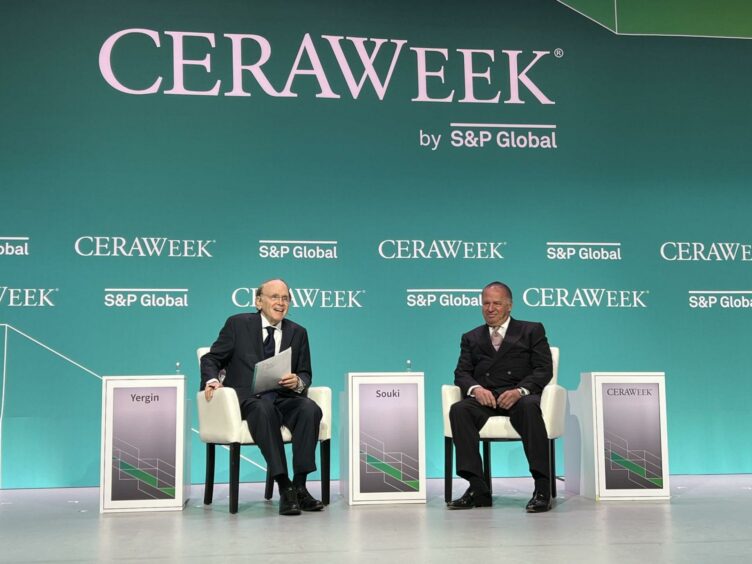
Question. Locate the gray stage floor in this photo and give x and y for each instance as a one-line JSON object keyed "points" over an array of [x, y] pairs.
{"points": [[707, 520]]}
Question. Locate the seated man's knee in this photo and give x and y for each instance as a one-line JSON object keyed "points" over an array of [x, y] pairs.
{"points": [[311, 410], [528, 404], [457, 410]]}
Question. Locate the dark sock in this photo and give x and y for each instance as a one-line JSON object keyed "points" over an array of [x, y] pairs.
{"points": [[543, 486], [478, 485], [283, 481], [299, 480]]}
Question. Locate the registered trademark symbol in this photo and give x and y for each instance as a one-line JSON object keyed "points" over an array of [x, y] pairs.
{"points": [[558, 53]]}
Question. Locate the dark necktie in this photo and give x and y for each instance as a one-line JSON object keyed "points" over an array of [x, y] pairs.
{"points": [[269, 343]]}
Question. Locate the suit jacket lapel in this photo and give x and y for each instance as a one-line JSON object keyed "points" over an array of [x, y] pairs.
{"points": [[286, 335], [484, 339], [512, 336], [257, 340]]}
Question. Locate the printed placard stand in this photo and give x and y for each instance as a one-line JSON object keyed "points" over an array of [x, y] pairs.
{"points": [[383, 453], [616, 443], [144, 449]]}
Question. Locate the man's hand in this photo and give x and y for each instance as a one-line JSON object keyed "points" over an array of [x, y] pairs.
{"points": [[289, 381], [209, 389], [484, 397], [509, 398]]}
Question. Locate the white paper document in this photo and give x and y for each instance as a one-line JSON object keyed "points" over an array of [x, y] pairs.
{"points": [[268, 373]]}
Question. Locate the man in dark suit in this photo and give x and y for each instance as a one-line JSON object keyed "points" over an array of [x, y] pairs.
{"points": [[249, 338], [503, 367]]}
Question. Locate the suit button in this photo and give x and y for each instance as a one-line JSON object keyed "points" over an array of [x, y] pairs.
{"points": [[487, 374], [509, 371]]}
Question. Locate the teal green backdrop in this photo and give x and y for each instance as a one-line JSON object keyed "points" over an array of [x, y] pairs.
{"points": [[111, 198]]}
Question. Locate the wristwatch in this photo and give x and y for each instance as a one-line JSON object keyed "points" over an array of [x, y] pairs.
{"points": [[523, 391]]}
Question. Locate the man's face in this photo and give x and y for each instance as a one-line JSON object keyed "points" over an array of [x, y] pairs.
{"points": [[273, 300], [496, 305]]}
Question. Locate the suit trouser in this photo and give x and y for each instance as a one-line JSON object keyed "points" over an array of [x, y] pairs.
{"points": [[467, 417], [300, 414]]}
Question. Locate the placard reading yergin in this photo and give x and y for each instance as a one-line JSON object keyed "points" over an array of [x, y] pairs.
{"points": [[143, 445]]}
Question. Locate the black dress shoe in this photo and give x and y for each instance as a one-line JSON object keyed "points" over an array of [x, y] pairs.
{"points": [[306, 501], [539, 503], [471, 499], [288, 502]]}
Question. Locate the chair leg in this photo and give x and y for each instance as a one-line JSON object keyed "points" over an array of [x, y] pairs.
{"points": [[487, 465], [448, 459], [326, 456], [234, 476], [209, 482], [552, 465], [269, 488]]}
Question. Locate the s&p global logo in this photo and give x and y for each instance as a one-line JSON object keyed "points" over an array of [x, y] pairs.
{"points": [[306, 298], [440, 249], [443, 297], [585, 298], [583, 251], [723, 299], [146, 297], [116, 246], [27, 297], [694, 251], [306, 250], [14, 246]]}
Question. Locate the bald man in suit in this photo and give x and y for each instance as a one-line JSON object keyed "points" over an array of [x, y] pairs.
{"points": [[249, 338], [502, 369]]}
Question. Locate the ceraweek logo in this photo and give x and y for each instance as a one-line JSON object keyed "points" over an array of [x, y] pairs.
{"points": [[487, 76], [14, 246], [115, 246], [584, 297], [306, 298], [27, 297], [633, 392], [694, 251], [443, 297], [314, 250], [559, 250], [146, 297], [725, 299], [441, 249]]}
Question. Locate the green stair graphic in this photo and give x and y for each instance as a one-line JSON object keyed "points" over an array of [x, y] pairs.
{"points": [[143, 476], [390, 470], [636, 468]]}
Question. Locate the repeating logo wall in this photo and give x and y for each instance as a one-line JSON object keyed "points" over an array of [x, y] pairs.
{"points": [[388, 170]]}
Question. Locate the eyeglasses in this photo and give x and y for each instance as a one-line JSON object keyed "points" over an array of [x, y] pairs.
{"points": [[278, 298]]}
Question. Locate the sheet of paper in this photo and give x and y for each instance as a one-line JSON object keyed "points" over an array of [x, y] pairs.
{"points": [[268, 373]]}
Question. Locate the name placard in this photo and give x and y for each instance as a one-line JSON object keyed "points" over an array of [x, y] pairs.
{"points": [[143, 422], [386, 440]]}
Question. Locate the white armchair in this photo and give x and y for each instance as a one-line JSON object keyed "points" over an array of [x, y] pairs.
{"points": [[220, 423], [499, 428]]}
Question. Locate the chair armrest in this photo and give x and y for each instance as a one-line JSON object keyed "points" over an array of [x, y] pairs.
{"points": [[323, 398], [449, 395], [553, 407], [219, 420]]}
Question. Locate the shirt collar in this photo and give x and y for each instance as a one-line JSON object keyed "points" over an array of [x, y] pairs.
{"points": [[502, 328], [265, 323]]}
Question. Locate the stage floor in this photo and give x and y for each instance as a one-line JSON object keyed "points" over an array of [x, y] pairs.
{"points": [[707, 520]]}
